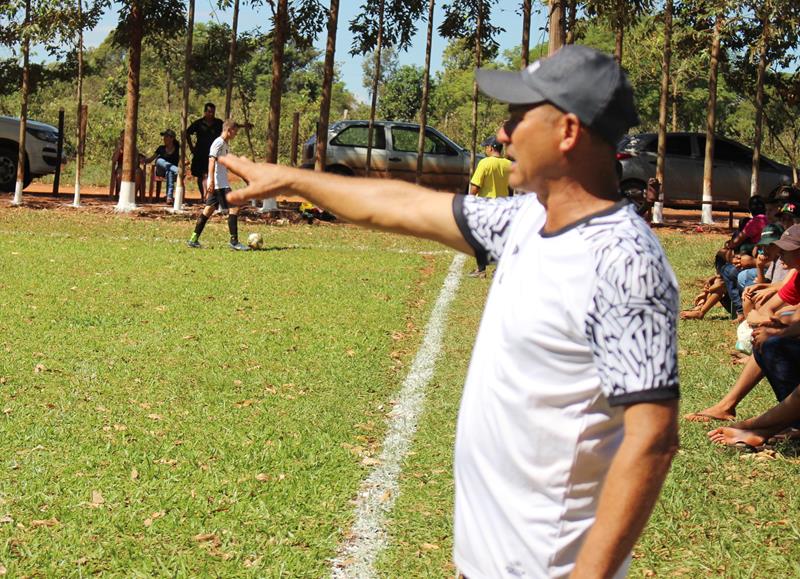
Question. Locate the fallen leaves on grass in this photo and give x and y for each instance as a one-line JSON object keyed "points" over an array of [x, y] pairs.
{"points": [[148, 522], [97, 500], [429, 546], [155, 417], [6, 519], [209, 538], [52, 522], [39, 368], [3, 569], [134, 474], [369, 461], [251, 562], [244, 403]]}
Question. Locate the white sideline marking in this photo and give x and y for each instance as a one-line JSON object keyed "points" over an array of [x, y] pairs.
{"points": [[378, 491]]}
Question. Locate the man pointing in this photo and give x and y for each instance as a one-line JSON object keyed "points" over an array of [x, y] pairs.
{"points": [[567, 424]]}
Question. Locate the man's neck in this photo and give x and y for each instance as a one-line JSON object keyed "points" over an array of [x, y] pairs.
{"points": [[569, 202]]}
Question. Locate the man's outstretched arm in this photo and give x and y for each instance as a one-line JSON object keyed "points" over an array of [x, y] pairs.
{"points": [[631, 488], [382, 204]]}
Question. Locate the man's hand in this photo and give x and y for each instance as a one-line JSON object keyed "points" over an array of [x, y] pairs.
{"points": [[263, 179], [762, 333]]}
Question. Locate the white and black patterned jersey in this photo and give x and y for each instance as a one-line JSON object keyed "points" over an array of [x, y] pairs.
{"points": [[578, 324]]}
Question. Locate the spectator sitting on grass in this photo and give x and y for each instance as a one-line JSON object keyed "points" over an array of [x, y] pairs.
{"points": [[743, 244], [714, 291], [776, 351], [784, 340], [167, 158]]}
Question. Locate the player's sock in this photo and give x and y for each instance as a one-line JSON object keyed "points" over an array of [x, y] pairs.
{"points": [[198, 228], [233, 228]]}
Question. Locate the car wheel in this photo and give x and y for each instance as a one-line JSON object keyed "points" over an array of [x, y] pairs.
{"points": [[635, 191], [8, 169]]}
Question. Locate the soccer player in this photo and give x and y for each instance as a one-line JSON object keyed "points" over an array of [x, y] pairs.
{"points": [[568, 421], [218, 187]]}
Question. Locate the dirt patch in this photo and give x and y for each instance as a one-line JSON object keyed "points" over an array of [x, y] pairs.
{"points": [[96, 200], [100, 203]]}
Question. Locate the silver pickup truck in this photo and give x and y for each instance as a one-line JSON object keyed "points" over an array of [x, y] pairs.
{"points": [[445, 165], [41, 156]]}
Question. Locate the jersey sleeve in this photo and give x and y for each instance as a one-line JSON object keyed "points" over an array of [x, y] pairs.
{"points": [[216, 149], [632, 324], [485, 223]]}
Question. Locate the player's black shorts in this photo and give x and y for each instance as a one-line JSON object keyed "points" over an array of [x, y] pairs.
{"points": [[218, 198]]}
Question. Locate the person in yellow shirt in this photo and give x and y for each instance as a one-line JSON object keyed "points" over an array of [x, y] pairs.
{"points": [[490, 180]]}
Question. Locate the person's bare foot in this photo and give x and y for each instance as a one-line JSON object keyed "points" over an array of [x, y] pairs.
{"points": [[729, 436], [711, 413], [692, 314]]}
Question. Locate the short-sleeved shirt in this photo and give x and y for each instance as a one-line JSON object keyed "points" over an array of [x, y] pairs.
{"points": [[790, 292], [219, 148], [578, 324], [205, 135], [173, 157], [491, 176]]}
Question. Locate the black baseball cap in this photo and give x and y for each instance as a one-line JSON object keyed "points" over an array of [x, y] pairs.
{"points": [[576, 79], [168, 132], [493, 143]]}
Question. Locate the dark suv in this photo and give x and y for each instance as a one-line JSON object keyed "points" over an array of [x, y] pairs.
{"points": [[445, 165], [683, 173]]}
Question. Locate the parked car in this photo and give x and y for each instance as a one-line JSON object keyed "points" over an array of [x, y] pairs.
{"points": [[683, 172], [40, 151], [445, 164]]}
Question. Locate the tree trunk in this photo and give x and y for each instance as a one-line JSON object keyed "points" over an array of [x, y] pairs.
{"points": [[273, 130], [130, 161], [473, 158], [426, 84], [572, 9], [327, 88], [232, 59], [526, 32], [619, 31], [76, 200], [246, 113], [180, 186], [675, 104], [762, 68], [662, 111], [711, 121], [556, 26], [23, 116], [278, 41], [376, 78]]}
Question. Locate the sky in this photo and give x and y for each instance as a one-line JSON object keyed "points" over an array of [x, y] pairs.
{"points": [[504, 15]]}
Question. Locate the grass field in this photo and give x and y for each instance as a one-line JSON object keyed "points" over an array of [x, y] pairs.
{"points": [[177, 412]]}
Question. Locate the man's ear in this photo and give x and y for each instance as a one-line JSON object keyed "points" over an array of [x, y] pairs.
{"points": [[570, 132]]}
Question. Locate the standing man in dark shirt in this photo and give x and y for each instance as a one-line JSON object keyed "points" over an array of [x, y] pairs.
{"points": [[205, 130]]}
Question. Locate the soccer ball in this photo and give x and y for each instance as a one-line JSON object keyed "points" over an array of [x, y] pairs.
{"points": [[255, 241]]}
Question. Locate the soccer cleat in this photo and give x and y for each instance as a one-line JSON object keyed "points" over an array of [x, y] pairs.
{"points": [[193, 243], [479, 273], [239, 246]]}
